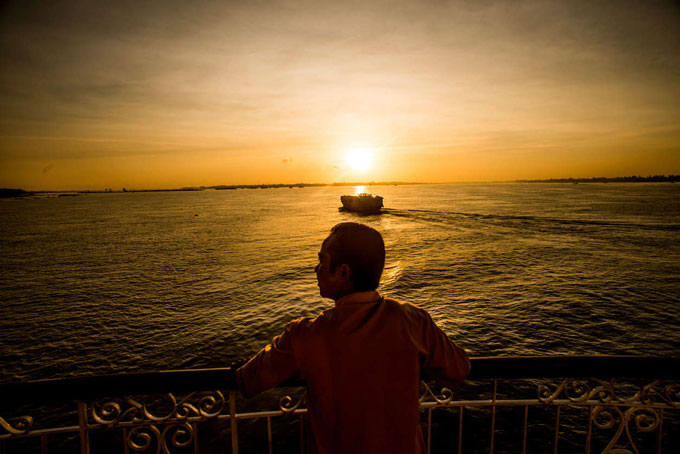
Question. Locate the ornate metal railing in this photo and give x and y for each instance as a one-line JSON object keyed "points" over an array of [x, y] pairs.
{"points": [[538, 404]]}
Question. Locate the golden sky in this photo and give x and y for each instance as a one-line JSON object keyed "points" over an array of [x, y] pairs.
{"points": [[165, 94]]}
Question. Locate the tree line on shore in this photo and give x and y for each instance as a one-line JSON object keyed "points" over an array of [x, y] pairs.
{"points": [[628, 179]]}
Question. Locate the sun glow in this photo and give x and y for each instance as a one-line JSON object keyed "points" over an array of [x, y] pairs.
{"points": [[360, 159]]}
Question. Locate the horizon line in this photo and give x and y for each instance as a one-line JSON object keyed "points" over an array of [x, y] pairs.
{"points": [[631, 179]]}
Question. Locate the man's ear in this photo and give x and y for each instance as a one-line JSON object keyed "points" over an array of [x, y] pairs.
{"points": [[345, 272]]}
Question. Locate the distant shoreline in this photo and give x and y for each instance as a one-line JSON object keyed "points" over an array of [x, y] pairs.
{"points": [[22, 193], [11, 193], [630, 179]]}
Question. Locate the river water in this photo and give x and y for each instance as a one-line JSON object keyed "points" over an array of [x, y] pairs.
{"points": [[105, 283]]}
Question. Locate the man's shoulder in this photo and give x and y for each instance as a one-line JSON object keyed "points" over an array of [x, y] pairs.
{"points": [[303, 324], [407, 309], [405, 305]]}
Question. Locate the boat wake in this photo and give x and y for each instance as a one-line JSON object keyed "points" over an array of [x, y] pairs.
{"points": [[443, 217]]}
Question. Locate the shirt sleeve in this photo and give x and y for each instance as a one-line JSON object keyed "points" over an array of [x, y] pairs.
{"points": [[271, 366], [443, 361]]}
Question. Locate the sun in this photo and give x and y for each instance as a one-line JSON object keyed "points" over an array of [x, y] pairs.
{"points": [[360, 159]]}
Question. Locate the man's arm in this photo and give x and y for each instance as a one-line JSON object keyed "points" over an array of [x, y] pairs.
{"points": [[443, 361], [271, 366]]}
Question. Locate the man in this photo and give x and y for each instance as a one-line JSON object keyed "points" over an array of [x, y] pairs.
{"points": [[362, 360]]}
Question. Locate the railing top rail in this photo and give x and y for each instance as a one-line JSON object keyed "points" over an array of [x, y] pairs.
{"points": [[159, 382], [575, 367], [92, 386]]}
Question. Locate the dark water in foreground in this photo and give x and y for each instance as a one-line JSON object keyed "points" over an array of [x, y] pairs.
{"points": [[119, 282]]}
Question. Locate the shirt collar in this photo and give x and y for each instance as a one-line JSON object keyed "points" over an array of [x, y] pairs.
{"points": [[370, 296]]}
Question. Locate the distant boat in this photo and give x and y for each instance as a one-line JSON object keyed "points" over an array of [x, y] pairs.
{"points": [[362, 203]]}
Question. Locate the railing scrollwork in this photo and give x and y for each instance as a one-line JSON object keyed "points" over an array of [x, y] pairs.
{"points": [[111, 414], [578, 391], [288, 405], [176, 435], [617, 405], [19, 426], [445, 396], [611, 392], [169, 429], [645, 419]]}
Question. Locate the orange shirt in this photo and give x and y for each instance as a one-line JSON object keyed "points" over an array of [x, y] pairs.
{"points": [[362, 363]]}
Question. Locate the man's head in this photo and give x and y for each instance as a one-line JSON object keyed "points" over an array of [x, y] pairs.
{"points": [[351, 260]]}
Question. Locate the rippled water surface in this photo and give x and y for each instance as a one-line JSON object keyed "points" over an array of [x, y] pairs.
{"points": [[118, 282]]}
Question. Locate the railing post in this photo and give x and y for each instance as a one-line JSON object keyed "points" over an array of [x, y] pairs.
{"points": [[302, 434], [460, 431], [232, 421], [269, 433], [589, 436], [659, 432], [557, 429], [429, 430], [524, 429], [82, 425], [493, 415]]}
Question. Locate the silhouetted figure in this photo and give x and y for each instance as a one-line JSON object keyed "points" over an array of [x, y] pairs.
{"points": [[362, 360]]}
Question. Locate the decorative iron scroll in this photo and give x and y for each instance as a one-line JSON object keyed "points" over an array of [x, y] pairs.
{"points": [[646, 419], [445, 397], [204, 405], [165, 430], [19, 426], [177, 435], [577, 391], [615, 405], [612, 392], [287, 405]]}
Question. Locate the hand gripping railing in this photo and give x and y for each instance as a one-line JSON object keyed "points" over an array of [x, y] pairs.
{"points": [[622, 397]]}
